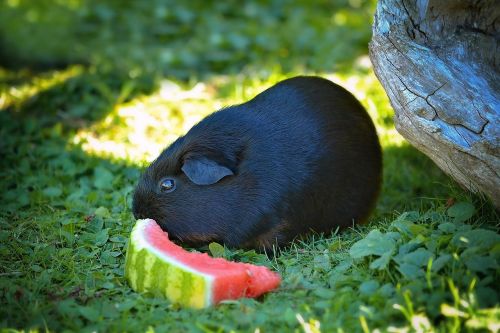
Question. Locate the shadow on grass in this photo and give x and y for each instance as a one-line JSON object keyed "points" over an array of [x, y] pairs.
{"points": [[64, 221], [412, 181], [185, 39]]}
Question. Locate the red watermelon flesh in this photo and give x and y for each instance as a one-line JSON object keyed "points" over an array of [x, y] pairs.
{"points": [[231, 280]]}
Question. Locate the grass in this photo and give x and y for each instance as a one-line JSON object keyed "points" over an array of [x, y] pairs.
{"points": [[74, 141]]}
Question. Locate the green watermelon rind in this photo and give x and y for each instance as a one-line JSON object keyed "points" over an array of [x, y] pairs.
{"points": [[148, 270]]}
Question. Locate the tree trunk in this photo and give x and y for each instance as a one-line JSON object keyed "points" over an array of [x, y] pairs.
{"points": [[438, 61]]}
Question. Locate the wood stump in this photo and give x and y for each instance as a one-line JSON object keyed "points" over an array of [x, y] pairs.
{"points": [[438, 61]]}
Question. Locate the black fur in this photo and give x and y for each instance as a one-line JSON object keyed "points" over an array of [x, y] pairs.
{"points": [[304, 155]]}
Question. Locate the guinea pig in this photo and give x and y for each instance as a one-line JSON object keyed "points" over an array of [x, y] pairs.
{"points": [[301, 156]]}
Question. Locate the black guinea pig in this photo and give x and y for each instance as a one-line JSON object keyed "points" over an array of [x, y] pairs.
{"points": [[301, 156]]}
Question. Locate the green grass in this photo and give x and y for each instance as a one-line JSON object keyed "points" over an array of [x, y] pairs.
{"points": [[75, 138]]}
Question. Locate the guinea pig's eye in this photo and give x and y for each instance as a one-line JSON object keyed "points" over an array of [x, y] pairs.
{"points": [[167, 185]]}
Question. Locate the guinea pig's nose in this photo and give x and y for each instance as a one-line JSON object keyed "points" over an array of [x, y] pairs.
{"points": [[139, 210]]}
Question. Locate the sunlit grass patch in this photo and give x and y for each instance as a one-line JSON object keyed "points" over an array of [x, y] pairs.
{"points": [[16, 88], [140, 129]]}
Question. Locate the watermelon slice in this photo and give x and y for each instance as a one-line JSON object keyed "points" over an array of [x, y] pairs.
{"points": [[156, 265]]}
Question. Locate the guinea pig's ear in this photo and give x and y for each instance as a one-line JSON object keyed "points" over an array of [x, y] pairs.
{"points": [[202, 171]]}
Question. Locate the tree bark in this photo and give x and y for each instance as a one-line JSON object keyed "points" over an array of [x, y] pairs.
{"points": [[438, 61]]}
